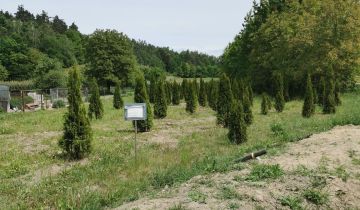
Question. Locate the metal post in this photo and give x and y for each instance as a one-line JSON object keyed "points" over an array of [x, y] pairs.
{"points": [[41, 101], [22, 101], [135, 138]]}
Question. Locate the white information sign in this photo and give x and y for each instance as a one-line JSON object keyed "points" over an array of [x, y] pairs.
{"points": [[135, 111]]}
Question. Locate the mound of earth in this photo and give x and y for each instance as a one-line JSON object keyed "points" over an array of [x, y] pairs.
{"points": [[320, 172]]}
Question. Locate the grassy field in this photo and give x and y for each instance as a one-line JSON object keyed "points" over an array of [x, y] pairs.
{"points": [[32, 176]]}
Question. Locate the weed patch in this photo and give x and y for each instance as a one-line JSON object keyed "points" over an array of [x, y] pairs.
{"points": [[263, 171]]}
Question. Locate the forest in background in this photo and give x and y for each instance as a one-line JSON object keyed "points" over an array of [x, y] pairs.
{"points": [[295, 38], [41, 48]]}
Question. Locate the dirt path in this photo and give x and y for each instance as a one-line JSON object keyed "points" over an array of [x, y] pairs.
{"points": [[320, 172]]}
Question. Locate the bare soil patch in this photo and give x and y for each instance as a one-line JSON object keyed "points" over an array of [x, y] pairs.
{"points": [[328, 163]]}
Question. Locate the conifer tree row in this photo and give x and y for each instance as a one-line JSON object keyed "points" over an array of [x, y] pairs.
{"points": [[192, 100], [160, 106], [118, 102], [175, 93], [77, 136], [141, 96], [168, 92], [95, 107], [248, 116], [264, 104], [202, 94], [279, 92], [237, 126], [224, 101], [309, 105], [329, 96]]}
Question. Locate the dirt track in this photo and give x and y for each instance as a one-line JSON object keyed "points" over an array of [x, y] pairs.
{"points": [[331, 158]]}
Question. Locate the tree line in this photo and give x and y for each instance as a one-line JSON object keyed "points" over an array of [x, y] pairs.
{"points": [[296, 38], [40, 47]]}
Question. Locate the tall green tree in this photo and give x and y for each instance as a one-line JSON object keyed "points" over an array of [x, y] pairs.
{"points": [[337, 93], [279, 92], [3, 73], [141, 96], [264, 105], [118, 102], [329, 97], [309, 104], [224, 101], [110, 58], [202, 94], [192, 101], [175, 93], [322, 91], [168, 93], [152, 90], [213, 96], [96, 108], [76, 140], [160, 106], [237, 125], [248, 116]]}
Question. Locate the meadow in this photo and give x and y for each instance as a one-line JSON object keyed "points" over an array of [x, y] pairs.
{"points": [[33, 175]]}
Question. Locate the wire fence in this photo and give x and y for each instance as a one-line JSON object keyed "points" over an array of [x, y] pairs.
{"points": [[32, 100]]}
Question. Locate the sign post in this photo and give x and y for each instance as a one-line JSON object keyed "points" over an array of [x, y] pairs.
{"points": [[135, 112]]}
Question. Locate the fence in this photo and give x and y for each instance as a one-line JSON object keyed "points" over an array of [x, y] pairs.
{"points": [[32, 100]]}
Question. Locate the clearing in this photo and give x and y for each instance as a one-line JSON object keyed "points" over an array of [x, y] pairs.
{"points": [[322, 171]]}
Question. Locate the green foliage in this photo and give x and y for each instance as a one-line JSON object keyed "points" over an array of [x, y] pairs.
{"points": [[202, 94], [168, 92], [237, 124], [329, 96], [224, 101], [58, 104], [264, 104], [76, 140], [19, 85], [110, 58], [275, 31], [315, 196], [184, 89], [228, 193], [197, 196], [118, 102], [309, 105], [52, 79], [160, 106], [17, 101], [248, 116], [191, 101], [96, 108], [322, 91], [175, 93], [337, 93], [152, 90], [263, 171], [3, 73], [279, 92], [294, 203], [141, 96], [213, 94]]}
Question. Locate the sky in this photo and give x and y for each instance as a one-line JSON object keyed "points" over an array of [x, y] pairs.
{"points": [[203, 25]]}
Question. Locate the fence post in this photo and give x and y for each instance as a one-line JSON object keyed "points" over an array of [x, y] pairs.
{"points": [[22, 101]]}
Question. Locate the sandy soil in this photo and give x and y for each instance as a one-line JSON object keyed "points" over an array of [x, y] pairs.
{"points": [[332, 157]]}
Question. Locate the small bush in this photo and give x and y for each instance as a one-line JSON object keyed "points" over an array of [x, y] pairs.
{"points": [[58, 104], [229, 193], [197, 196], [17, 101], [263, 171], [293, 203], [316, 197]]}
